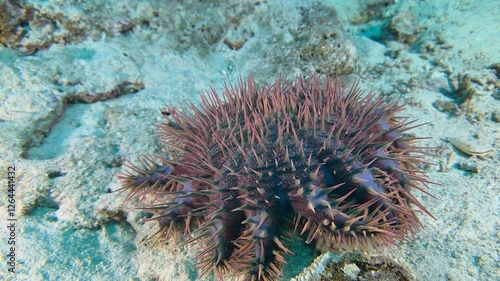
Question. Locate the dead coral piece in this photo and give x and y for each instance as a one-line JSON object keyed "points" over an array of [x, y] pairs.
{"points": [[372, 9], [496, 67], [30, 29], [468, 166], [496, 94], [121, 89], [14, 19], [495, 116], [447, 106], [121, 26], [200, 29], [24, 28], [354, 267], [446, 157], [316, 42], [55, 174], [404, 27], [463, 92], [323, 45]]}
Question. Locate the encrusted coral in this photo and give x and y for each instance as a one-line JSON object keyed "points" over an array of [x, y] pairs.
{"points": [[250, 167], [354, 267], [13, 18]]}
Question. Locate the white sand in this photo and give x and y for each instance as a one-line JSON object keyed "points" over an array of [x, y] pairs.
{"points": [[70, 227]]}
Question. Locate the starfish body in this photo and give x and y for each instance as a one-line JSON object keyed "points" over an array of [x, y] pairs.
{"points": [[251, 167]]}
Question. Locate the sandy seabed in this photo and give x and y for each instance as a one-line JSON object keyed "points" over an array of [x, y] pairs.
{"points": [[82, 84]]}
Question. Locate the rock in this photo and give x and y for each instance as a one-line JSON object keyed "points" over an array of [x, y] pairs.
{"points": [[405, 27]]}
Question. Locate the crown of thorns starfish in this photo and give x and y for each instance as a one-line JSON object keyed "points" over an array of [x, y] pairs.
{"points": [[251, 167]]}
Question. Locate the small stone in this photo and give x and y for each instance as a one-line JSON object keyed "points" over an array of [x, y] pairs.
{"points": [[55, 174], [447, 107], [469, 167], [496, 94], [495, 116], [496, 67]]}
